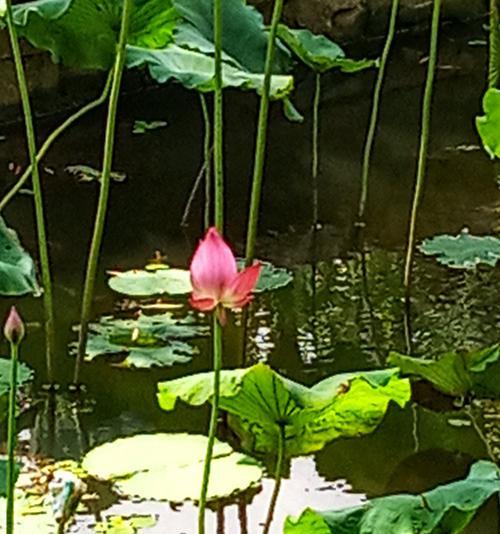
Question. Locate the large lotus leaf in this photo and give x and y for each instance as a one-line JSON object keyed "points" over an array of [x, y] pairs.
{"points": [[456, 373], [149, 341], [17, 270], [447, 508], [318, 52], [263, 403], [84, 33], [488, 125], [24, 375], [195, 70], [464, 251], [139, 283], [170, 466], [244, 37]]}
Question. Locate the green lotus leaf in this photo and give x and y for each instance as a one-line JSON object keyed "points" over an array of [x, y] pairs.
{"points": [[271, 277], [320, 53], [149, 341], [456, 373], [263, 404], [139, 283], [17, 270], [84, 33], [24, 375], [488, 125], [170, 466], [449, 508], [463, 251]]}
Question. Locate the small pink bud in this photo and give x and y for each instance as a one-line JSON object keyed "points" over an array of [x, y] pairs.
{"points": [[14, 327]]}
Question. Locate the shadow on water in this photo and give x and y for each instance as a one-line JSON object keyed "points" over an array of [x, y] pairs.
{"points": [[339, 314]]}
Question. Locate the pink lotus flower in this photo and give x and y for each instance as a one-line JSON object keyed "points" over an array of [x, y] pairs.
{"points": [[215, 277], [14, 327]]}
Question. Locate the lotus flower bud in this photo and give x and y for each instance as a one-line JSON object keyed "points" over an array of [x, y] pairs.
{"points": [[14, 327]]}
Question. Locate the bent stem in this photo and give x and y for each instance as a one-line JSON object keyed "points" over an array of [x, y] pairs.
{"points": [[43, 250], [277, 478], [52, 138], [11, 438], [372, 126], [207, 151], [424, 144], [315, 150], [95, 247], [217, 357], [260, 146], [218, 120], [494, 45]]}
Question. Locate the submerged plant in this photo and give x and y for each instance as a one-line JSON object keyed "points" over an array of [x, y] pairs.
{"points": [[37, 190], [424, 144], [217, 286], [14, 333], [100, 219]]}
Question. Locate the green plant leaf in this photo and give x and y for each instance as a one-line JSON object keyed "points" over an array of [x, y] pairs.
{"points": [[84, 173], [24, 375], [271, 277], [463, 251], [261, 402], [3, 474], [456, 373], [149, 341], [139, 283], [142, 127], [488, 125], [448, 508], [320, 53], [170, 466], [84, 33], [17, 270]]}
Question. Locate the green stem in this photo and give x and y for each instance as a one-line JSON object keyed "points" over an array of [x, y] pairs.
{"points": [[277, 478], [11, 438], [377, 94], [52, 138], [217, 357], [260, 146], [424, 144], [38, 195], [100, 219], [207, 151], [315, 149], [218, 120], [494, 45]]}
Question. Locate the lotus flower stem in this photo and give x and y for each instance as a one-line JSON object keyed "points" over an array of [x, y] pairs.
{"points": [[217, 357], [315, 149], [277, 477], [494, 45], [218, 119], [207, 150], [424, 144], [377, 94], [52, 138], [260, 145], [100, 219], [37, 190]]}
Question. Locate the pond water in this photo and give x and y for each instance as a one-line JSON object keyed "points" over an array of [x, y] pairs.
{"points": [[342, 312]]}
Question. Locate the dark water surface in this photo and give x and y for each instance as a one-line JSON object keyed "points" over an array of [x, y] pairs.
{"points": [[346, 313]]}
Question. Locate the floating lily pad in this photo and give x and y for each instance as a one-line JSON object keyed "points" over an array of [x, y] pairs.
{"points": [[271, 277], [463, 251], [448, 508], [149, 341], [456, 373], [170, 466], [17, 270], [263, 404], [142, 283], [118, 524], [488, 125]]}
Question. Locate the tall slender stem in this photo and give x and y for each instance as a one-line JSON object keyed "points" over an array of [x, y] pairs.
{"points": [[315, 149], [377, 94], [217, 357], [277, 478], [260, 145], [43, 249], [218, 120], [11, 438], [52, 138], [102, 207], [494, 45], [424, 144], [207, 155]]}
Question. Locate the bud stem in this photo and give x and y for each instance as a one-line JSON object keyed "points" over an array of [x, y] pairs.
{"points": [[11, 438]]}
